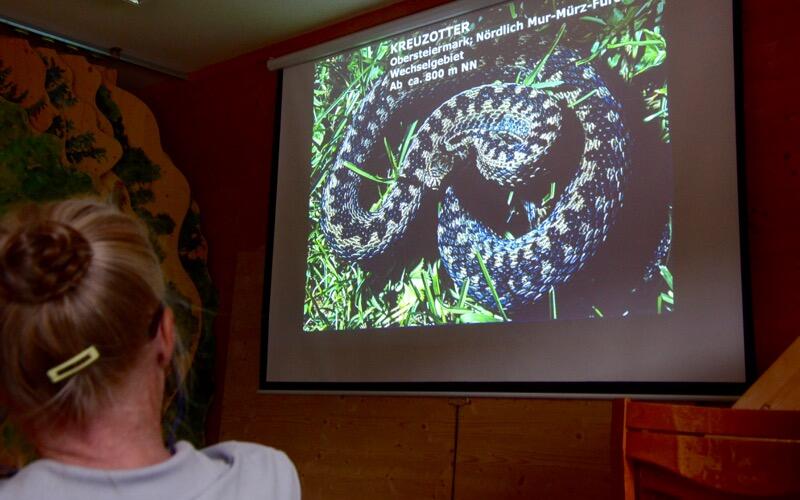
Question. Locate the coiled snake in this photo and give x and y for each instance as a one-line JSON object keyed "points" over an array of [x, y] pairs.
{"points": [[509, 127]]}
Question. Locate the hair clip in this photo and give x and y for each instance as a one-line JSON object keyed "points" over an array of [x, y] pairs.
{"points": [[73, 365]]}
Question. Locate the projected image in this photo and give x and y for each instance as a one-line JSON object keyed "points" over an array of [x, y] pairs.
{"points": [[513, 164]]}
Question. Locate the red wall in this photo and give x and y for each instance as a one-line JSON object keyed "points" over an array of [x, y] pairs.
{"points": [[219, 127], [772, 161]]}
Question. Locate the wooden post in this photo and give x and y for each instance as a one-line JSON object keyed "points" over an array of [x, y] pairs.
{"points": [[779, 387]]}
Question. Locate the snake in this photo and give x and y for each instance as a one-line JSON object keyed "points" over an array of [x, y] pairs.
{"points": [[508, 127]]}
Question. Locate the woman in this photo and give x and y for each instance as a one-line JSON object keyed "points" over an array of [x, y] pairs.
{"points": [[85, 346]]}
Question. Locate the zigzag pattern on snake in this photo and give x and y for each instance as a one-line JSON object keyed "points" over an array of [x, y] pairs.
{"points": [[509, 127]]}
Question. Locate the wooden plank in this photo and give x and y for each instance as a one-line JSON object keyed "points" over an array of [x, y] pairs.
{"points": [[740, 466], [655, 483], [622, 470], [242, 356], [348, 447], [720, 421], [779, 387], [528, 448], [344, 447]]}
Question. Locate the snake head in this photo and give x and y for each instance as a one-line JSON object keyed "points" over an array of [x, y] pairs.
{"points": [[438, 166]]}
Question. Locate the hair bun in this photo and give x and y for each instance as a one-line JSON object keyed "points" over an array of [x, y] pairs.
{"points": [[43, 262]]}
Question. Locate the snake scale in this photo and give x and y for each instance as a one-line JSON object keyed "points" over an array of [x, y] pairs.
{"points": [[509, 127]]}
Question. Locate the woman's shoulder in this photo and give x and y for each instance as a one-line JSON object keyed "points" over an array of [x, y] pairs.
{"points": [[257, 466], [229, 470], [230, 451]]}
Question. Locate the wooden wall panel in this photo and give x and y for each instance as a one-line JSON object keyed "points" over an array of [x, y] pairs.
{"points": [[348, 447], [528, 448], [344, 447]]}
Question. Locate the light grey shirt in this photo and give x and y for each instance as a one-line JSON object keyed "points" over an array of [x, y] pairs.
{"points": [[229, 471]]}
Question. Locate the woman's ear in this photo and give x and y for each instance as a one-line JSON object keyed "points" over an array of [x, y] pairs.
{"points": [[166, 337]]}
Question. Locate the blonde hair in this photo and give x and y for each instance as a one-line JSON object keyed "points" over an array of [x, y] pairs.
{"points": [[73, 274]]}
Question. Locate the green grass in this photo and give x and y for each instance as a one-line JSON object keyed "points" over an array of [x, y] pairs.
{"points": [[627, 37], [534, 76], [657, 102], [631, 42], [552, 303], [489, 283], [665, 301]]}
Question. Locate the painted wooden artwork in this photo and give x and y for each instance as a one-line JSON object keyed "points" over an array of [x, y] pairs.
{"points": [[67, 130]]}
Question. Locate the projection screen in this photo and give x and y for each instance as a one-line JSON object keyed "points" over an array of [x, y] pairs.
{"points": [[536, 196]]}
